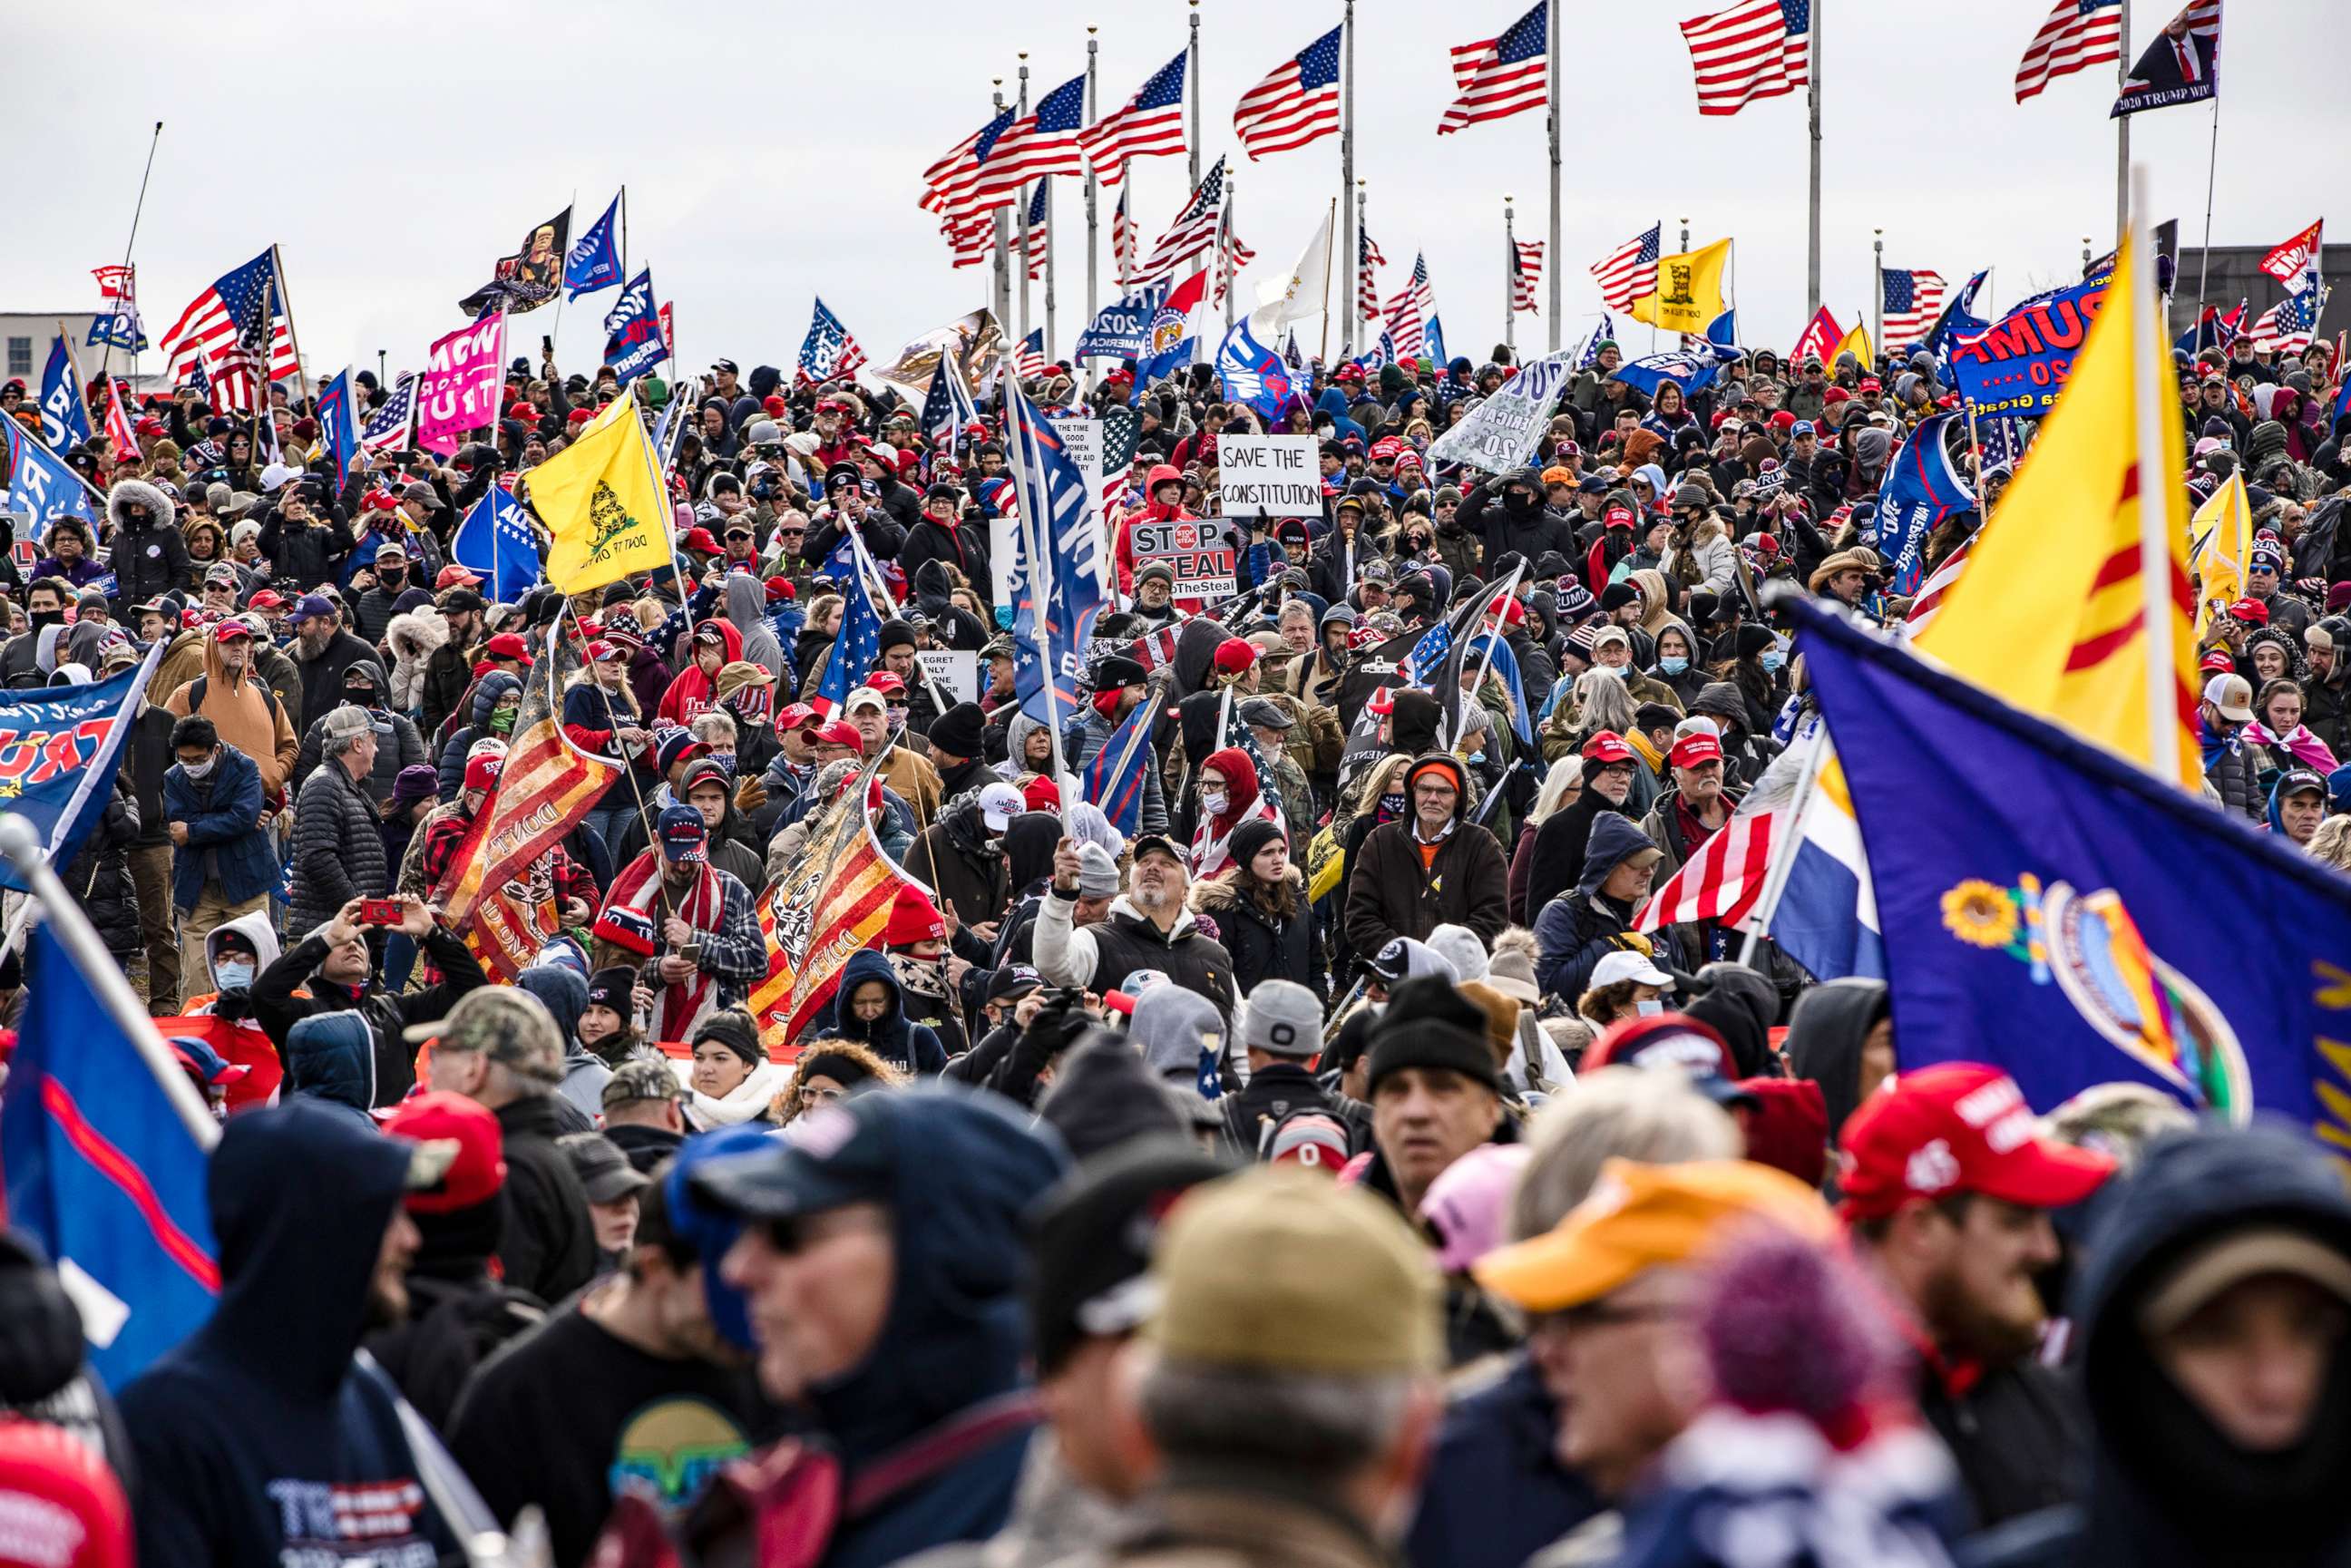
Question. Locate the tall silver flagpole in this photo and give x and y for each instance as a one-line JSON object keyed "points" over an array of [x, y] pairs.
{"points": [[1021, 212], [1812, 255], [1192, 80], [1225, 229], [1093, 190], [1876, 293], [2122, 131], [1550, 14], [1509, 279], [1000, 290], [1050, 356], [1347, 240]]}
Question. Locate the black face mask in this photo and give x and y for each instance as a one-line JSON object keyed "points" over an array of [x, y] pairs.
{"points": [[392, 576], [41, 618]]}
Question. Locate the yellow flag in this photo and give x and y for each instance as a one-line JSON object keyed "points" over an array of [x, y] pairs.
{"points": [[2051, 612], [602, 498], [1689, 290], [2223, 533], [1857, 343]]}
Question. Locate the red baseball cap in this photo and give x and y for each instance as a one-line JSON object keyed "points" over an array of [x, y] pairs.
{"points": [[797, 717], [698, 540], [1696, 747], [780, 588], [885, 682], [2218, 659], [599, 650], [482, 771], [1871, 383], [2250, 609], [841, 732], [266, 600], [460, 1131], [1617, 518], [1958, 1126], [1605, 747], [1235, 655], [230, 629], [455, 576], [507, 645]]}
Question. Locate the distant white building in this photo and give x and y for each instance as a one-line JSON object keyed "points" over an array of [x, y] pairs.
{"points": [[26, 336]]}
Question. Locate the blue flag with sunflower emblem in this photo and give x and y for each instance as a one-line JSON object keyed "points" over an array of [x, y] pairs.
{"points": [[2058, 912]]}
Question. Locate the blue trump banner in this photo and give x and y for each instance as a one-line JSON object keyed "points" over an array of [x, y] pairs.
{"points": [[59, 747], [1122, 329], [1691, 372], [2018, 365], [105, 1152], [1922, 487], [40, 486], [65, 410], [594, 260], [339, 424], [632, 341], [1250, 370], [496, 540], [2051, 908], [1050, 631]]}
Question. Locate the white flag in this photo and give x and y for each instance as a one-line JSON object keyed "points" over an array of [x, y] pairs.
{"points": [[1300, 292]]}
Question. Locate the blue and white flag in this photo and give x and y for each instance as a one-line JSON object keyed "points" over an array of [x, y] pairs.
{"points": [[119, 327], [1958, 318], [827, 351], [388, 426], [1505, 667], [1251, 371], [1433, 340], [948, 408], [40, 486], [106, 1159], [338, 432], [1603, 333], [594, 261], [1122, 329], [1050, 631], [496, 540], [65, 407], [1922, 487], [64, 744], [1688, 371], [1113, 780], [1379, 356], [1419, 666], [633, 337]]}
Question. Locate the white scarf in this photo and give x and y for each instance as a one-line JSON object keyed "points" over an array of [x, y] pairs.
{"points": [[746, 1101]]}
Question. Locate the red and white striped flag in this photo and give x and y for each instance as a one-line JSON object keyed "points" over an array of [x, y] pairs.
{"points": [[988, 169], [1722, 880], [1409, 311], [1526, 271], [969, 239], [117, 425], [1630, 271], [237, 331], [1195, 230], [1151, 125], [1931, 591], [1757, 49], [1298, 102], [1040, 222], [2078, 34], [1122, 243], [1368, 262], [1495, 77], [1910, 303], [1233, 253]]}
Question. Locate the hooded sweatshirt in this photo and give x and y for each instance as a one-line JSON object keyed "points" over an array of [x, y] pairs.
{"points": [[691, 693], [747, 612], [1170, 1028], [258, 1439], [247, 715], [1824, 1038], [564, 993], [330, 1057], [892, 1037], [1575, 930]]}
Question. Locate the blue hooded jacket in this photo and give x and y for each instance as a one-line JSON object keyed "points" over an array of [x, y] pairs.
{"points": [[1565, 940], [911, 1046], [259, 1439], [450, 773], [330, 1057]]}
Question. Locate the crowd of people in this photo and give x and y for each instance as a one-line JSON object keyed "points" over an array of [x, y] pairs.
{"points": [[1313, 1160]]}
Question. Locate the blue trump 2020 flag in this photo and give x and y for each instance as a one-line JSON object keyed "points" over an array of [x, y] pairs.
{"points": [[1922, 487], [594, 259], [105, 1167], [40, 486], [632, 339], [496, 540], [339, 424], [1113, 779], [2062, 914], [1253, 371], [1121, 329], [59, 748], [65, 411], [1050, 631]]}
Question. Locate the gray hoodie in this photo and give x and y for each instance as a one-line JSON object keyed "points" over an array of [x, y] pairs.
{"points": [[747, 612]]}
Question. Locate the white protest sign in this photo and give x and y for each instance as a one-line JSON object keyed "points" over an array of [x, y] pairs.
{"points": [[1200, 551], [956, 670], [1000, 546], [1268, 476], [1501, 432]]}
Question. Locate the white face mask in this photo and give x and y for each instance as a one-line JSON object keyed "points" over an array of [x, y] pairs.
{"points": [[233, 974], [1649, 1008], [200, 769], [1214, 804]]}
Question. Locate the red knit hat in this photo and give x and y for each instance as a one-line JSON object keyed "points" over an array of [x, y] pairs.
{"points": [[1042, 794], [913, 918], [1235, 655]]}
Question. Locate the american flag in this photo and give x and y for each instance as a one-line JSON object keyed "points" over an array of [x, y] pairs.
{"points": [[1912, 303], [1938, 582], [2078, 34], [1409, 311], [2287, 326], [1497, 77], [1122, 242], [853, 654], [988, 170], [1195, 230], [1150, 126], [1526, 271], [1368, 261], [229, 330], [1029, 359], [2290, 262], [1757, 49], [1040, 243], [1722, 881], [1630, 271], [1296, 104], [827, 351], [388, 426], [1421, 664], [969, 239]]}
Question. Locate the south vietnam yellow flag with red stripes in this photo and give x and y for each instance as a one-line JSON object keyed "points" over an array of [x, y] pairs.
{"points": [[2050, 615]]}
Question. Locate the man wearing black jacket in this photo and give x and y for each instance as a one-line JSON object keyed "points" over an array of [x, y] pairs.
{"points": [[333, 963], [1512, 514], [305, 548]]}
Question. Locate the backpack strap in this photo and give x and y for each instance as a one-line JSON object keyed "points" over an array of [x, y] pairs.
{"points": [[944, 1445]]}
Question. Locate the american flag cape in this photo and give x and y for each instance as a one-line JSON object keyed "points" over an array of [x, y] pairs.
{"points": [[499, 890]]}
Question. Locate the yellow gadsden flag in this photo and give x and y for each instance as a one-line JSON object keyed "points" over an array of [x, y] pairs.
{"points": [[1857, 343], [602, 498], [2050, 614], [2223, 534], [1689, 290]]}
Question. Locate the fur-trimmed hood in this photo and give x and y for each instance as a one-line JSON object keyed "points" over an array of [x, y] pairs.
{"points": [[128, 491]]}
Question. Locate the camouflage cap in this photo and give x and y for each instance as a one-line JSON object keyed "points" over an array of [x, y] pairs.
{"points": [[506, 1023], [635, 1081]]}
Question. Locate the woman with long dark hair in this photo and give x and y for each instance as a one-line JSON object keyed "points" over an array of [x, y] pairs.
{"points": [[1261, 916]]}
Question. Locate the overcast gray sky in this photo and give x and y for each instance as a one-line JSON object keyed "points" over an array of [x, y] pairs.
{"points": [[773, 152]]}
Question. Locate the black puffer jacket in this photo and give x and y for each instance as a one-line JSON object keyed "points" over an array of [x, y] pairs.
{"points": [[1265, 947], [306, 555], [1512, 516], [99, 876], [338, 849]]}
